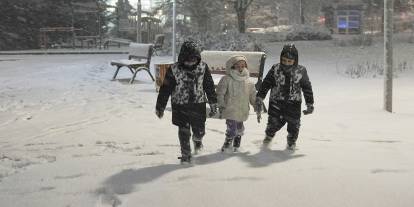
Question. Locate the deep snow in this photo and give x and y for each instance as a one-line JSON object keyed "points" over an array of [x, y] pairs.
{"points": [[71, 137]]}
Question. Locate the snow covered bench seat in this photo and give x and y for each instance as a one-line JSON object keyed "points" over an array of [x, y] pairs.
{"points": [[139, 58], [216, 61]]}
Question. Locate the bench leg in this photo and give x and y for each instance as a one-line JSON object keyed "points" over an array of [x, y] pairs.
{"points": [[116, 72], [149, 72], [133, 76], [137, 70]]}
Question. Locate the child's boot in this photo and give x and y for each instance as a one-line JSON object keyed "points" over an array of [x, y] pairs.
{"points": [[236, 143], [267, 140], [198, 146], [185, 159], [227, 143], [291, 141]]}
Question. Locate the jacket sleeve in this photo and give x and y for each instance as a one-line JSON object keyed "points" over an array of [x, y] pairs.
{"points": [[208, 85], [166, 89], [306, 86], [221, 92], [252, 95], [268, 83]]}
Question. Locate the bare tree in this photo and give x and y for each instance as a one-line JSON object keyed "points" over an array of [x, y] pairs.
{"points": [[241, 6], [198, 14], [202, 12]]}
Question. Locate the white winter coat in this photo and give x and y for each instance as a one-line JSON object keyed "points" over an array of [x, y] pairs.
{"points": [[235, 91]]}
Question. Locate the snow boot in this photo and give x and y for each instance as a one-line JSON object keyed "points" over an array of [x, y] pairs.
{"points": [[291, 141], [198, 146], [291, 146], [236, 143], [185, 159], [227, 143], [267, 140]]}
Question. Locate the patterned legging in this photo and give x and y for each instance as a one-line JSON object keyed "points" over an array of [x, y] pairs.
{"points": [[234, 128]]}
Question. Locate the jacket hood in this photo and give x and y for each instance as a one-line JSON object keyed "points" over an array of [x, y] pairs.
{"points": [[290, 51], [233, 60], [188, 50]]}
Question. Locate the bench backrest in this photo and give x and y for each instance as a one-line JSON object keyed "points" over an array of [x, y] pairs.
{"points": [[216, 61], [140, 51], [159, 40]]}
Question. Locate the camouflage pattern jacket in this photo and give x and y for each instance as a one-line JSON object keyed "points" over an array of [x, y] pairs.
{"points": [[286, 85]]}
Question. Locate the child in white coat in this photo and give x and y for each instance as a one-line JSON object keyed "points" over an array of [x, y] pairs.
{"points": [[234, 93]]}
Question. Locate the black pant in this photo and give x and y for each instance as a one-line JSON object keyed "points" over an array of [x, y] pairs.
{"points": [[275, 123], [184, 135]]}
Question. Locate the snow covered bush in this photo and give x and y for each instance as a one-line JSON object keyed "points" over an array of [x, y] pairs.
{"points": [[355, 40], [231, 40], [307, 32], [374, 69], [269, 36], [411, 38], [279, 28]]}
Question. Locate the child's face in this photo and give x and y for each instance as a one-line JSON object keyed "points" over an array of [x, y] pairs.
{"points": [[191, 61], [239, 65], [287, 61]]}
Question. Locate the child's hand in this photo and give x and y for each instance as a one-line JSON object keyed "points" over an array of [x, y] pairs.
{"points": [[213, 110], [258, 105], [159, 113], [221, 109], [309, 109]]}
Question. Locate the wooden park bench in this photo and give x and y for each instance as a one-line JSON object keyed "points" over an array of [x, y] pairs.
{"points": [[139, 58], [158, 43], [115, 42], [216, 61]]}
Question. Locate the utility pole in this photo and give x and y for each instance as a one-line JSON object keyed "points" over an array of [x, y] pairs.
{"points": [[388, 53], [302, 18], [139, 21], [72, 26], [173, 33]]}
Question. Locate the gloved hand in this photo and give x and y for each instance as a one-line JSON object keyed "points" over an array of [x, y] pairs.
{"points": [[221, 109], [159, 113], [258, 105], [309, 109], [213, 109], [259, 116]]}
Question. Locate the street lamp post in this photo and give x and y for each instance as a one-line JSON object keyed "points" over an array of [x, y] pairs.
{"points": [[173, 32], [139, 21], [388, 54]]}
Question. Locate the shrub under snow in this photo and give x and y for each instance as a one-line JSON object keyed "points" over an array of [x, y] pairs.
{"points": [[307, 32]]}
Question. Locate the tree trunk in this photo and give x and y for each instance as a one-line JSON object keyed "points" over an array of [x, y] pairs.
{"points": [[241, 20]]}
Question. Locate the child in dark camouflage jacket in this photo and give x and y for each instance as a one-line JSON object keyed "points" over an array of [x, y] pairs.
{"points": [[190, 85], [286, 80]]}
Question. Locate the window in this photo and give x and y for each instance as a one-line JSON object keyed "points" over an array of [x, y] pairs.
{"points": [[348, 21]]}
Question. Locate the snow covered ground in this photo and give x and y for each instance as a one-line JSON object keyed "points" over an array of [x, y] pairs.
{"points": [[71, 137]]}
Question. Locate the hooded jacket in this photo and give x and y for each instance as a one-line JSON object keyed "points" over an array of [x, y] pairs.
{"points": [[190, 87], [235, 91], [286, 85]]}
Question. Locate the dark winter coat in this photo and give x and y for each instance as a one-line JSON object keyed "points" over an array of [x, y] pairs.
{"points": [[286, 85], [189, 87]]}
